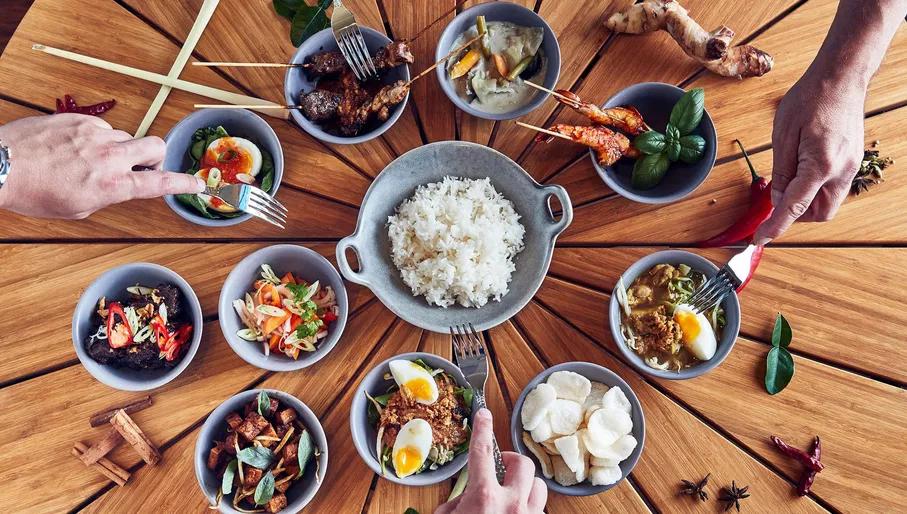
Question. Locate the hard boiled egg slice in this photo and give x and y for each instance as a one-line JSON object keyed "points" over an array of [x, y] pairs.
{"points": [[215, 204], [411, 447], [698, 336], [233, 156], [415, 381]]}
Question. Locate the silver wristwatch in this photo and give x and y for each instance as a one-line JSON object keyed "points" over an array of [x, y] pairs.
{"points": [[5, 164]]}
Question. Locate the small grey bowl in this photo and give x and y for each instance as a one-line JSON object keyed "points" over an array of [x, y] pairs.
{"points": [[237, 123], [304, 263], [654, 100], [499, 11], [112, 284], [365, 435], [431, 163], [731, 311], [296, 81], [595, 373], [215, 428]]}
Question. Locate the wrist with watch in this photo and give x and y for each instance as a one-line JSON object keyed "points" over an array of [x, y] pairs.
{"points": [[5, 164]]}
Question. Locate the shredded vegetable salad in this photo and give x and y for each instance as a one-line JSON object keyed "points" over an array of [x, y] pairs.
{"points": [[287, 315]]}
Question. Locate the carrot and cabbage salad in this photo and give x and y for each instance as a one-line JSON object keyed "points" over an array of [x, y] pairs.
{"points": [[287, 315]]}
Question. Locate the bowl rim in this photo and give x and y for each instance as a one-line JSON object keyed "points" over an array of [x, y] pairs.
{"points": [[278, 159], [314, 129], [359, 422], [630, 194], [728, 338], [101, 374], [219, 414], [583, 488], [539, 98], [243, 348]]}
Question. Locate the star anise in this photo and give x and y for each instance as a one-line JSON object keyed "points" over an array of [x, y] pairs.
{"points": [[732, 495], [695, 489]]}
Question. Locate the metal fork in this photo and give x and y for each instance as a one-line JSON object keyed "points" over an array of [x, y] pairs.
{"points": [[252, 200], [728, 278], [351, 43], [469, 352]]}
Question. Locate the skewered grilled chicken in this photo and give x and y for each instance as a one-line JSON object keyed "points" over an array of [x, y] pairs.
{"points": [[627, 119], [322, 64], [609, 145], [379, 106]]}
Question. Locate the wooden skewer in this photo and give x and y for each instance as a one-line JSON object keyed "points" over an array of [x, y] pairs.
{"points": [[544, 131], [250, 64], [249, 106], [553, 93], [453, 52]]}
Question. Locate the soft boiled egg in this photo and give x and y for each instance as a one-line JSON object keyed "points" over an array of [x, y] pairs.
{"points": [[234, 157], [415, 381], [411, 447], [698, 336]]}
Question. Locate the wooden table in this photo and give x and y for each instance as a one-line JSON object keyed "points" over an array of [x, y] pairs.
{"points": [[838, 283]]}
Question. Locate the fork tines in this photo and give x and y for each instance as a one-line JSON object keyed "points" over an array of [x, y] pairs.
{"points": [[713, 291], [352, 45], [467, 342]]}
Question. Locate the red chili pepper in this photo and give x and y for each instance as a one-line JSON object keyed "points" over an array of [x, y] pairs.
{"points": [[119, 334], [812, 462], [806, 481], [161, 334], [760, 209], [328, 317], [176, 341], [755, 259], [68, 104]]}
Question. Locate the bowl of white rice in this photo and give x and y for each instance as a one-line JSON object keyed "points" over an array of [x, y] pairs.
{"points": [[454, 233]]}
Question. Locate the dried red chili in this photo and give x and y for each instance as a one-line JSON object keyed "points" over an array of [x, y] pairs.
{"points": [[812, 462], [806, 481], [68, 104]]}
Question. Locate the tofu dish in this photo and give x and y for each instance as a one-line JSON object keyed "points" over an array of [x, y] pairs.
{"points": [[145, 329], [422, 421], [265, 451], [660, 326]]}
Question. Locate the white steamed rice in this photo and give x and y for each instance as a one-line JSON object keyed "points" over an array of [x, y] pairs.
{"points": [[455, 241]]}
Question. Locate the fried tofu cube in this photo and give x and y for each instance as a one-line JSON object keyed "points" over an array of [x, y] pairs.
{"points": [[252, 426], [269, 432], [286, 416], [278, 502], [214, 456], [234, 420], [283, 486], [252, 406], [259, 420], [251, 476], [281, 430], [289, 452], [272, 406], [291, 468], [230, 443]]}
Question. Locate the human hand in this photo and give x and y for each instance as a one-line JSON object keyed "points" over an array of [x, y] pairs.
{"points": [[817, 141], [521, 493], [71, 165]]}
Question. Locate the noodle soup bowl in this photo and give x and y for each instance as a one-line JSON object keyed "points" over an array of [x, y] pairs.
{"points": [[730, 304]]}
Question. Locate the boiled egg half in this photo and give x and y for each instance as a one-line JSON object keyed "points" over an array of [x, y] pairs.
{"points": [[235, 160], [415, 381], [698, 336], [411, 447]]}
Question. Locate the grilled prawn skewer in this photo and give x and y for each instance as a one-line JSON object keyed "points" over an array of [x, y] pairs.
{"points": [[609, 145], [627, 119]]}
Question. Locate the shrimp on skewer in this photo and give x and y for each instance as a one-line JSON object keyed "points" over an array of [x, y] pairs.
{"points": [[609, 145], [627, 119]]}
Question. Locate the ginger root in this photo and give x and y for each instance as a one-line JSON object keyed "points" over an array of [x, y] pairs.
{"points": [[712, 49]]}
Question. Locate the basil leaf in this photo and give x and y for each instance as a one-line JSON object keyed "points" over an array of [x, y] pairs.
{"points": [[264, 403], [267, 172], [196, 203], [226, 483], [283, 8], [467, 393], [779, 369], [687, 112], [650, 142], [308, 20], [672, 135], [782, 333], [256, 456], [265, 489], [649, 170], [692, 147], [672, 150], [304, 451], [197, 149]]}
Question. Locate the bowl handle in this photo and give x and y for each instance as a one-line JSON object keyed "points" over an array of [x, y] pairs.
{"points": [[346, 270], [560, 225]]}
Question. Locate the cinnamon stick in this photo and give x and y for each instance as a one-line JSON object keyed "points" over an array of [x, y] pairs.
{"points": [[135, 437], [101, 448], [103, 417], [103, 466]]}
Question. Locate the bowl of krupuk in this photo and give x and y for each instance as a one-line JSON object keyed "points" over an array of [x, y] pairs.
{"points": [[654, 328], [411, 419], [582, 425], [454, 232]]}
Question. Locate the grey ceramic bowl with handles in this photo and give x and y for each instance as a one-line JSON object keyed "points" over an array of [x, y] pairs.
{"points": [[431, 163], [731, 312], [112, 284], [304, 263], [595, 373], [215, 428], [365, 434], [296, 81]]}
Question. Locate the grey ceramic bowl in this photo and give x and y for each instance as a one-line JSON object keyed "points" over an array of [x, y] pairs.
{"points": [[731, 310], [304, 263], [431, 163], [215, 428], [238, 123], [112, 284], [296, 81], [654, 100], [499, 11], [365, 435], [595, 373]]}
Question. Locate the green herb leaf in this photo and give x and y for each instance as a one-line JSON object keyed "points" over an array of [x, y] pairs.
{"points": [[692, 147], [687, 112], [264, 403], [672, 150], [256, 456], [672, 135], [779, 369], [196, 203], [467, 393], [286, 8], [304, 451], [308, 20], [649, 170], [410, 510], [197, 149], [267, 172], [650, 142], [226, 483], [424, 364], [782, 333], [265, 489]]}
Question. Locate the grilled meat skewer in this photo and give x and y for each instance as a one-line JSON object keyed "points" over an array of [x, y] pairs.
{"points": [[627, 119], [323, 64], [609, 145]]}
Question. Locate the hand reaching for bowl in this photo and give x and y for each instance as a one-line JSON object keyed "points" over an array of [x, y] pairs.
{"points": [[521, 493], [71, 165]]}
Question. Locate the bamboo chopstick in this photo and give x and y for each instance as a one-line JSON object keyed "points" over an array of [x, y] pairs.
{"points": [[571, 101], [544, 131], [263, 106], [249, 64]]}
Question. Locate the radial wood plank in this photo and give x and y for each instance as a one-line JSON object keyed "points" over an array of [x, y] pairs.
{"points": [[581, 181]]}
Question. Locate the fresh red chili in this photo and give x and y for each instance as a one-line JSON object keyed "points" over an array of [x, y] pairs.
{"points": [[811, 461], [176, 341], [119, 334], [806, 481], [161, 334], [68, 104], [328, 317], [759, 210]]}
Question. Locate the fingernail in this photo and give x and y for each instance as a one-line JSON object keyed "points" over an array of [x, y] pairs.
{"points": [[483, 412]]}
